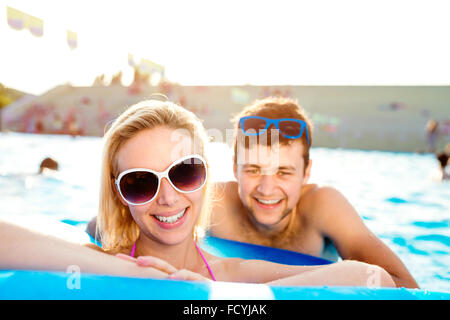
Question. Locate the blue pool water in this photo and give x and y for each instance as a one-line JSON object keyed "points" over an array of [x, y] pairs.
{"points": [[396, 194]]}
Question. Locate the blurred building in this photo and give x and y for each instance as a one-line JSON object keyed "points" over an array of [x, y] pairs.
{"points": [[360, 117]]}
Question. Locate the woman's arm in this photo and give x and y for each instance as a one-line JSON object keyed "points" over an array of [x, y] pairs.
{"points": [[24, 249]]}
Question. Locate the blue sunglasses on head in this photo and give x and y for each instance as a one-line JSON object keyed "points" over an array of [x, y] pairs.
{"points": [[288, 127]]}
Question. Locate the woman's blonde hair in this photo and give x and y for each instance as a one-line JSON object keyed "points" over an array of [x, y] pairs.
{"points": [[115, 223]]}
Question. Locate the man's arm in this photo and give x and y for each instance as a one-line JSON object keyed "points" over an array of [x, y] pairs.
{"points": [[344, 273], [23, 249], [337, 220]]}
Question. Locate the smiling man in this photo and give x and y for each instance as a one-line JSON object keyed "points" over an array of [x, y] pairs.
{"points": [[272, 203]]}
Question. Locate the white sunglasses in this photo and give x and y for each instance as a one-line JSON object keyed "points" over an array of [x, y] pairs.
{"points": [[139, 186]]}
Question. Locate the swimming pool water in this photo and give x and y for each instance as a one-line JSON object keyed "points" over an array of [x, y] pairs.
{"points": [[396, 194]]}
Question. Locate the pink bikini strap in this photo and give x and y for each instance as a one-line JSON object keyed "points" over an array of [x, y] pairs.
{"points": [[206, 263], [133, 250]]}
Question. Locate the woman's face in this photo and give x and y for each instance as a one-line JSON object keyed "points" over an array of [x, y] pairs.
{"points": [[171, 216]]}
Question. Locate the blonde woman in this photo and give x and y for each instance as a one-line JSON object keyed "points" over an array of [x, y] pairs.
{"points": [[154, 205]]}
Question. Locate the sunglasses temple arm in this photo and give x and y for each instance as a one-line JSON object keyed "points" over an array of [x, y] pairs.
{"points": [[307, 135]]}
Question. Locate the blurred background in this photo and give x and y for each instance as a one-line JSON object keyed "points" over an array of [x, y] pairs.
{"points": [[374, 76], [371, 74]]}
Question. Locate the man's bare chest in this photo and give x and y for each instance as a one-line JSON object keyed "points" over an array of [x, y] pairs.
{"points": [[301, 239]]}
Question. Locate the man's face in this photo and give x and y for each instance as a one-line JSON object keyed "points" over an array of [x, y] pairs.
{"points": [[270, 182]]}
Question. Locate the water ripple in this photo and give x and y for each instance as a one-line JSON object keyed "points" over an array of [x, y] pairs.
{"points": [[432, 224], [435, 238]]}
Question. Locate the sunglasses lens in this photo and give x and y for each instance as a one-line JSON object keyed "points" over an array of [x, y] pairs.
{"points": [[139, 186], [188, 175], [290, 128], [253, 125]]}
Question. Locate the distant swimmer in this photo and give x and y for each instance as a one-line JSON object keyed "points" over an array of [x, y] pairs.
{"points": [[444, 162], [48, 163]]}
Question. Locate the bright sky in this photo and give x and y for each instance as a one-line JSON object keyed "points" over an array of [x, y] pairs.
{"points": [[211, 42]]}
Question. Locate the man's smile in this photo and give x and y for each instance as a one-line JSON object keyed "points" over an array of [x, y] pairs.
{"points": [[268, 203]]}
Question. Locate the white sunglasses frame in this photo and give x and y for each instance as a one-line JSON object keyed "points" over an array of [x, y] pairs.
{"points": [[160, 175]]}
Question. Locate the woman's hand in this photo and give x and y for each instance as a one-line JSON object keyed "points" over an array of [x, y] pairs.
{"points": [[187, 275], [150, 261], [164, 266]]}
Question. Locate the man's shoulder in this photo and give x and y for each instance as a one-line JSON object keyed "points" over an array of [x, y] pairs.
{"points": [[318, 200], [227, 184], [226, 189], [224, 206], [326, 205], [315, 192]]}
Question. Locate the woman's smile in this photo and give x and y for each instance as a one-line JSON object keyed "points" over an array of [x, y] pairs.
{"points": [[169, 220]]}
